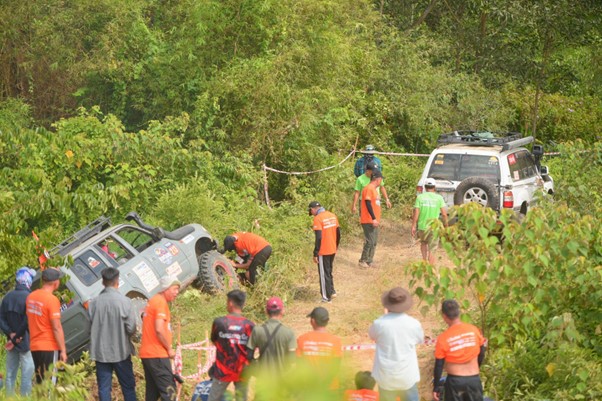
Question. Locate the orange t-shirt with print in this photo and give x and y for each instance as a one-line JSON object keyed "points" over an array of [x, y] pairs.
{"points": [[150, 346], [369, 193], [42, 307], [322, 351], [361, 395], [327, 222], [460, 343], [249, 244]]}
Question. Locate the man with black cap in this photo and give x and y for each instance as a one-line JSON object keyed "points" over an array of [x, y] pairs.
{"points": [[362, 181], [252, 249], [427, 208], [396, 335], [47, 339], [321, 350], [13, 322], [230, 334], [156, 348], [370, 218], [328, 236], [113, 322]]}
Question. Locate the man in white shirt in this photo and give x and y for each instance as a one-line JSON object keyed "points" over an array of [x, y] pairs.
{"points": [[396, 335]]}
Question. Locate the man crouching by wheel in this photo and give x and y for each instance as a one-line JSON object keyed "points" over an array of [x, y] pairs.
{"points": [[253, 250]]}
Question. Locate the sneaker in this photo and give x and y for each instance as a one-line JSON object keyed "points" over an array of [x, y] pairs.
{"points": [[325, 301], [372, 265], [334, 295], [363, 264]]}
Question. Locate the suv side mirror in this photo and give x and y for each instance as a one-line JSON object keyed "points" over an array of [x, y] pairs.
{"points": [[537, 150], [543, 170]]}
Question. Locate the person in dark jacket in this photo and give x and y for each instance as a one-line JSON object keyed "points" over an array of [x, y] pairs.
{"points": [[13, 322]]}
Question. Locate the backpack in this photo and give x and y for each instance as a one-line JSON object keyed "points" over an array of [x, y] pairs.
{"points": [[360, 164]]}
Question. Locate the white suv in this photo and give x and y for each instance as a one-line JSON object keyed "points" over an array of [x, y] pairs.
{"points": [[495, 171]]}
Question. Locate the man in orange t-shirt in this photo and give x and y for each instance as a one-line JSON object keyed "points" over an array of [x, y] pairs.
{"points": [[328, 236], [370, 218], [253, 249], [461, 348], [321, 350], [47, 340], [364, 384], [156, 345]]}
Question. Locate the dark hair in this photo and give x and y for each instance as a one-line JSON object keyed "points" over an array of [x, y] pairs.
{"points": [[274, 312], [364, 380], [450, 308], [237, 297], [110, 275]]}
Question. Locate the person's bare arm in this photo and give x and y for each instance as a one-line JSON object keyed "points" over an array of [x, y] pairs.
{"points": [[356, 196], [383, 190], [444, 215], [160, 330], [59, 336], [415, 220]]}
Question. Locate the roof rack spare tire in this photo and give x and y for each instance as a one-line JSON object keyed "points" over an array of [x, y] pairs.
{"points": [[479, 190]]}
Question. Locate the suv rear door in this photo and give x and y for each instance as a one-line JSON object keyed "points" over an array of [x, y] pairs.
{"points": [[524, 176]]}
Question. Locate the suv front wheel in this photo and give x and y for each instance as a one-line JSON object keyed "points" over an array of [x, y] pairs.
{"points": [[216, 273], [479, 190]]}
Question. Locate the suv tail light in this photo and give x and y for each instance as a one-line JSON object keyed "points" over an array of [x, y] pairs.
{"points": [[419, 189], [508, 200]]}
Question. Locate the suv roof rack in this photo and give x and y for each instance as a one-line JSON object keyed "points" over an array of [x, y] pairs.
{"points": [[98, 225], [507, 140]]}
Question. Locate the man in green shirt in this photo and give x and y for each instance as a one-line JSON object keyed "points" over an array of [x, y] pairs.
{"points": [[275, 342], [364, 180], [427, 208]]}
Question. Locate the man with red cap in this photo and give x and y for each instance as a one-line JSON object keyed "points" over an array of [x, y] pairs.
{"points": [[275, 342]]}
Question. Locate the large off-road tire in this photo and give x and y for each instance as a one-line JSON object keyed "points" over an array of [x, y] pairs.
{"points": [[479, 190], [216, 273]]}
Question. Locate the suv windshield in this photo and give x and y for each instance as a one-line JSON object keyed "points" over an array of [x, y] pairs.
{"points": [[457, 167]]}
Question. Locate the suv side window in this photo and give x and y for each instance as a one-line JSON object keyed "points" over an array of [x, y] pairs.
{"points": [[522, 165], [87, 267], [139, 240]]}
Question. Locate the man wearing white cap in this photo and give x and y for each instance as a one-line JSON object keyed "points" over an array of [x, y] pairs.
{"points": [[156, 346], [396, 335], [427, 208]]}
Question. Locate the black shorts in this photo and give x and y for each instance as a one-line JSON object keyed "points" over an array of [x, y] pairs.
{"points": [[42, 360], [463, 388]]}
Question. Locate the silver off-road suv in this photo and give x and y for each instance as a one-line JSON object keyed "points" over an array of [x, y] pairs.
{"points": [[143, 254], [494, 170]]}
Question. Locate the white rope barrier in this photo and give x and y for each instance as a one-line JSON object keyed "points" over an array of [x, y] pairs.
{"points": [[309, 172]]}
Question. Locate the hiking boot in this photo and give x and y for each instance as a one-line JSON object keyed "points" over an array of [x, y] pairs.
{"points": [[363, 264]]}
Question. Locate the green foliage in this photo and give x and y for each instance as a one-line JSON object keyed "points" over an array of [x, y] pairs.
{"points": [[71, 382], [537, 288]]}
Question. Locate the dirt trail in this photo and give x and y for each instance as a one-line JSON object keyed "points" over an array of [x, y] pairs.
{"points": [[358, 302]]}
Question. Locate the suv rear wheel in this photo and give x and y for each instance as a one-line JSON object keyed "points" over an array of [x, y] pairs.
{"points": [[216, 273], [479, 190]]}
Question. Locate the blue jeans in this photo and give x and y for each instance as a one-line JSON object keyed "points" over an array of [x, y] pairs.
{"points": [[14, 359], [410, 394], [125, 376]]}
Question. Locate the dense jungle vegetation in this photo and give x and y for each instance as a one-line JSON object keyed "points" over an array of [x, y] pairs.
{"points": [[171, 108]]}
